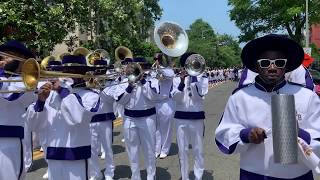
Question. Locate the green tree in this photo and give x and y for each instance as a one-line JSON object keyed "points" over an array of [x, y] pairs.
{"points": [[110, 23], [256, 17], [218, 50], [38, 23], [121, 22]]}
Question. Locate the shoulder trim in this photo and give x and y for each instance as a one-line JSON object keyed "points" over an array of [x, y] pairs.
{"points": [[241, 87], [297, 84]]}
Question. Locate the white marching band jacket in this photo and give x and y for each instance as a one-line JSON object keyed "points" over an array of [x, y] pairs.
{"points": [[138, 101], [250, 107], [67, 116], [189, 97]]}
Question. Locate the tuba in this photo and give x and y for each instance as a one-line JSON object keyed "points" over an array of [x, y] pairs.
{"points": [[122, 52], [171, 39]]}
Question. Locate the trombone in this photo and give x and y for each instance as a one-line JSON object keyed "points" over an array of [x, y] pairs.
{"points": [[32, 73]]}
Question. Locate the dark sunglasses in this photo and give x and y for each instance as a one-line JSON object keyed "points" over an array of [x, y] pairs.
{"points": [[266, 63]]}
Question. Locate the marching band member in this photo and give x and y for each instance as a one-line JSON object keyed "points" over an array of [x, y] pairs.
{"points": [[188, 94], [139, 123], [101, 128], [64, 109], [13, 107], [247, 116], [165, 109]]}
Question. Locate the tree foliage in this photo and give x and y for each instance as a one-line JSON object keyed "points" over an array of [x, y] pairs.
{"points": [[110, 23], [256, 17], [218, 50]]}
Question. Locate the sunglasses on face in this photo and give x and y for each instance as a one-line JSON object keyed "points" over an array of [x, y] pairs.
{"points": [[266, 63]]}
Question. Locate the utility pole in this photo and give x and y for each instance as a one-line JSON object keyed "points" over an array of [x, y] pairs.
{"points": [[307, 24]]}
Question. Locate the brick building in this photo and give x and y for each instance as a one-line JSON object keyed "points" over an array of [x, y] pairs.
{"points": [[315, 35]]}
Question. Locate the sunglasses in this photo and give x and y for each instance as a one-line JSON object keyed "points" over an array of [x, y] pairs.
{"points": [[266, 63]]}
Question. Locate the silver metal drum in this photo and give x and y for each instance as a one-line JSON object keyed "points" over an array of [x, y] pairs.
{"points": [[284, 129]]}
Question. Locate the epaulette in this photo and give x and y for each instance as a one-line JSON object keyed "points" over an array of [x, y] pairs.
{"points": [[241, 87], [297, 84]]}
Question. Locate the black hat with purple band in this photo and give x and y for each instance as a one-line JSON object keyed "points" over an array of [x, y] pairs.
{"points": [[143, 62], [127, 61], [16, 46], [75, 63], [55, 65], [253, 49]]}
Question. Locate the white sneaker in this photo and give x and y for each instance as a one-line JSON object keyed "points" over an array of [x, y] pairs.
{"points": [[108, 178], [41, 149], [45, 176], [157, 155], [96, 178], [103, 155], [163, 155]]}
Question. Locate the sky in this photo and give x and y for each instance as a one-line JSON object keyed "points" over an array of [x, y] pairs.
{"points": [[185, 12]]}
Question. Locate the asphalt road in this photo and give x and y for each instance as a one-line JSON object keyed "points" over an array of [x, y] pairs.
{"points": [[217, 165]]}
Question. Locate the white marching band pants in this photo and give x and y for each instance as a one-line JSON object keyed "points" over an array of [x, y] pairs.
{"points": [[164, 124], [101, 134], [190, 130], [11, 159], [64, 169], [141, 132]]}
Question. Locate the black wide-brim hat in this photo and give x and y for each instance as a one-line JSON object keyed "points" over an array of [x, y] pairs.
{"points": [[74, 63], [16, 46], [252, 50]]}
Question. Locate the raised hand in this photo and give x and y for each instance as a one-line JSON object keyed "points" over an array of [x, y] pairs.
{"points": [[257, 135], [44, 91]]}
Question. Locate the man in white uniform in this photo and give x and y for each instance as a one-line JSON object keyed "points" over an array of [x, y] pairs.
{"points": [[165, 109], [65, 113], [13, 107], [188, 93], [247, 116], [101, 128], [139, 123]]}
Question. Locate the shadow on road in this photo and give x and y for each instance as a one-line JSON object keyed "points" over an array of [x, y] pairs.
{"points": [[117, 149], [38, 164], [207, 175], [173, 149], [116, 133], [123, 171]]}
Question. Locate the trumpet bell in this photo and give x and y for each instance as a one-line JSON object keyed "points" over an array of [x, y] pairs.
{"points": [[103, 54], [92, 57], [171, 39], [195, 65], [122, 52], [30, 72], [97, 55]]}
